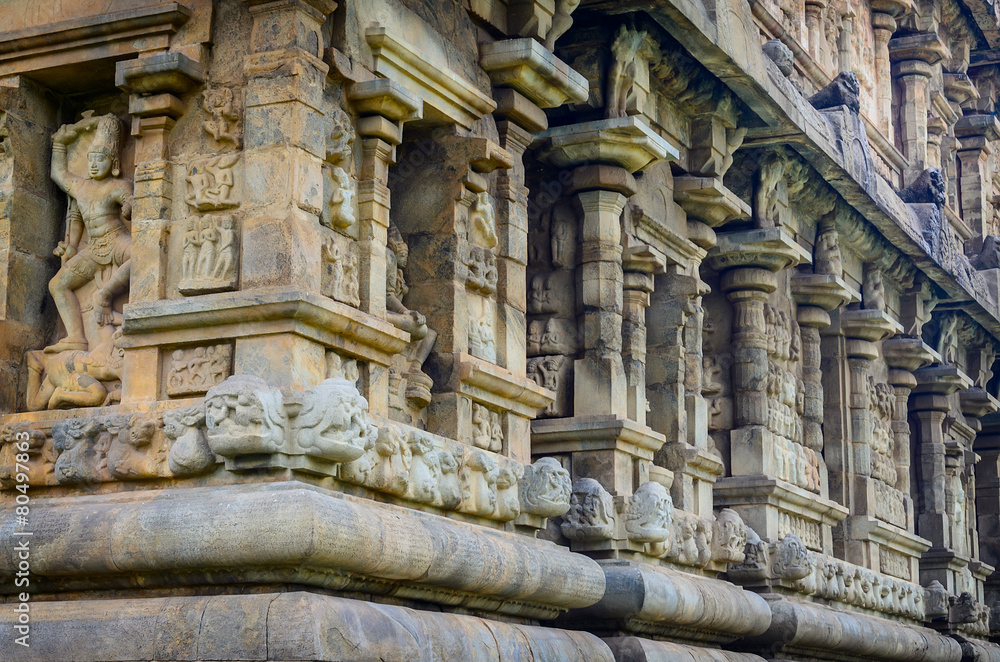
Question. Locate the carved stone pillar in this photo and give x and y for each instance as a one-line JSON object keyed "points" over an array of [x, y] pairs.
{"points": [[814, 27], [609, 445], [155, 83], [384, 106], [976, 134], [640, 264], [929, 404], [912, 57], [883, 25], [281, 238], [766, 485], [816, 295]]}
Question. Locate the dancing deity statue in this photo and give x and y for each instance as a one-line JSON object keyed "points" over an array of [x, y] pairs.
{"points": [[97, 204]]}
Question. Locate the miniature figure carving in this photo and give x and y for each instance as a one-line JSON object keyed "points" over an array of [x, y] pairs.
{"points": [[220, 105], [98, 203], [197, 369], [208, 260], [190, 453], [425, 468], [947, 345], [562, 240], [244, 416], [333, 422], [481, 341], [730, 537], [340, 276], [449, 485], [827, 259], [482, 222], [545, 489], [422, 338], [545, 371], [872, 290], [480, 258], [487, 431], [339, 155], [591, 512], [649, 513], [31, 449], [210, 183], [541, 298], [766, 191]]}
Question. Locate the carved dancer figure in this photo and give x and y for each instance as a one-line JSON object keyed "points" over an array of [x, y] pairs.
{"points": [[421, 337], [221, 108], [103, 198]]}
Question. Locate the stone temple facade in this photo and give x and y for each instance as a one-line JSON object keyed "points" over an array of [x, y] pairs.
{"points": [[468, 330]]}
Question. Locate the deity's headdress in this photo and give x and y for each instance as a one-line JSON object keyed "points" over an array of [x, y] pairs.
{"points": [[107, 140]]}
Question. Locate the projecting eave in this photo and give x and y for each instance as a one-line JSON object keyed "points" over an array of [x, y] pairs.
{"points": [[720, 35]]}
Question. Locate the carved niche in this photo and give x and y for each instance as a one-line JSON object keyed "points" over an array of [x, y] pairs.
{"points": [[91, 285]]}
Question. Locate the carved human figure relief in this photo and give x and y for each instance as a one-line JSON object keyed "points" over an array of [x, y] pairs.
{"points": [[78, 378], [412, 381], [765, 195], [196, 369], [591, 512], [650, 510], [487, 429], [873, 289], [480, 256], [545, 488], [340, 212], [340, 272], [98, 203], [209, 254], [827, 259], [223, 115], [210, 183], [190, 453], [947, 345], [481, 340]]}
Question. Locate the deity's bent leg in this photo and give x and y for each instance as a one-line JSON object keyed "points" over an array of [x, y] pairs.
{"points": [[61, 287]]}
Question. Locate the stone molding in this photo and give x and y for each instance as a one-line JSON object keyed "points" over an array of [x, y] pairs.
{"points": [[291, 532]]}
